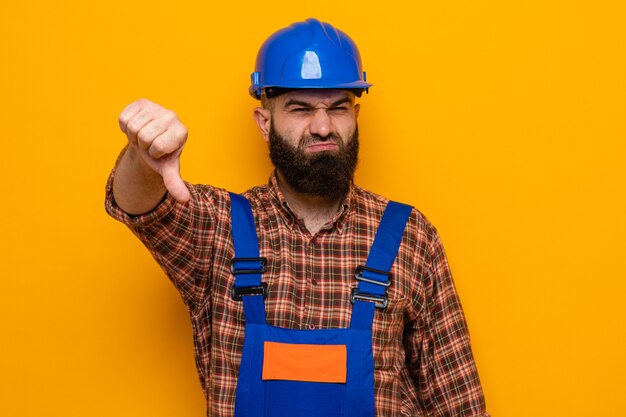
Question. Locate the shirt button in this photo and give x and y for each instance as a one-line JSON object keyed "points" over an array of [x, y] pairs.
{"points": [[314, 281], [311, 327]]}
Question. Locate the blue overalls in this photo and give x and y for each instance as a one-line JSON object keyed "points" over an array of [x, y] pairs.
{"points": [[277, 377]]}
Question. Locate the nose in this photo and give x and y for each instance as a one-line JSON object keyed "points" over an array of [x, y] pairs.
{"points": [[321, 124]]}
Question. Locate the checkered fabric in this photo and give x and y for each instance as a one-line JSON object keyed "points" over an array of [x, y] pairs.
{"points": [[422, 356]]}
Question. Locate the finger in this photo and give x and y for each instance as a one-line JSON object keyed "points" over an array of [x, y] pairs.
{"points": [[129, 111], [174, 183], [137, 122], [151, 131], [169, 142]]}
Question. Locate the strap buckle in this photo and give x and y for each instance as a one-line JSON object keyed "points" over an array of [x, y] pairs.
{"points": [[358, 274], [238, 293], [380, 301], [235, 271]]}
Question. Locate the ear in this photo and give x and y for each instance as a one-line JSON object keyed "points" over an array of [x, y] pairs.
{"points": [[263, 117], [357, 107]]}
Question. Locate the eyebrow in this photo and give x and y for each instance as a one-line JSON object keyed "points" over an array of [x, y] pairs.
{"points": [[292, 102]]}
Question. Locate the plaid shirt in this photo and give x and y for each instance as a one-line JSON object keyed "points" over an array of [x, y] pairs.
{"points": [[422, 357]]}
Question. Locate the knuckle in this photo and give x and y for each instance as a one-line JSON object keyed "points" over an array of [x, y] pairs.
{"points": [[144, 135], [123, 117], [170, 115], [144, 142], [158, 148], [143, 101], [153, 106], [132, 127]]}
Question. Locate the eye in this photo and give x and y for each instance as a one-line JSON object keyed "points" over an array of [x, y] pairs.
{"points": [[299, 110], [338, 109]]}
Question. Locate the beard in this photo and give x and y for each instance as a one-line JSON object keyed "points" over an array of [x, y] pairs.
{"points": [[326, 174]]}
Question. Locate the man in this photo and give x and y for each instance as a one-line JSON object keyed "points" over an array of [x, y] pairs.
{"points": [[310, 296]]}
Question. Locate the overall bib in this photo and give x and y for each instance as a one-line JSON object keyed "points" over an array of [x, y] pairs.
{"points": [[309, 373]]}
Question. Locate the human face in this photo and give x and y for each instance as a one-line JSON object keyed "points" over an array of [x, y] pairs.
{"points": [[322, 114], [313, 139]]}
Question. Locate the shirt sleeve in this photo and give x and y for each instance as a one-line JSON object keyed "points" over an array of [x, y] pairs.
{"points": [[438, 344], [179, 236]]}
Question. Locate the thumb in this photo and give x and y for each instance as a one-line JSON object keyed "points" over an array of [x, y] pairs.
{"points": [[174, 183]]}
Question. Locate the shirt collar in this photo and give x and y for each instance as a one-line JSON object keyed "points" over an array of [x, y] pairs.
{"points": [[291, 218]]}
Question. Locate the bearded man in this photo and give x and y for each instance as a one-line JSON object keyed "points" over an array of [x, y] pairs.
{"points": [[308, 296]]}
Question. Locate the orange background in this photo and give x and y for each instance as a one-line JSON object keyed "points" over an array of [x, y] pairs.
{"points": [[502, 121]]}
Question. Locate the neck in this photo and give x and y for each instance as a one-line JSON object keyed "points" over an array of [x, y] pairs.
{"points": [[315, 211]]}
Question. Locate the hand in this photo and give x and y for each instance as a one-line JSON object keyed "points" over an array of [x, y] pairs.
{"points": [[159, 138]]}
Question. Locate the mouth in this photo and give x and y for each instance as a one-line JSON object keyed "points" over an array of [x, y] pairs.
{"points": [[321, 147]]}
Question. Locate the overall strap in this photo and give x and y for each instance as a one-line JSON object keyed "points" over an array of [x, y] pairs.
{"points": [[374, 278], [247, 266]]}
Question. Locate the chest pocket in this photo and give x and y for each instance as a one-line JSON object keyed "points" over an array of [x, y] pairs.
{"points": [[304, 362]]}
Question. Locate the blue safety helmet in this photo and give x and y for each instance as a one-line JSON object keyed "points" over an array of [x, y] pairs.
{"points": [[310, 54]]}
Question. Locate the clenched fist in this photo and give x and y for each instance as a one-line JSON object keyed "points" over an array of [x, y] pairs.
{"points": [[158, 137]]}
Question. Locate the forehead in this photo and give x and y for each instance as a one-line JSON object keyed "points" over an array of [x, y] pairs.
{"points": [[314, 96]]}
